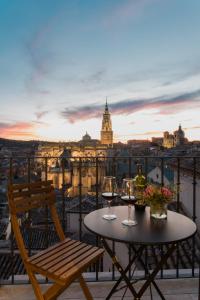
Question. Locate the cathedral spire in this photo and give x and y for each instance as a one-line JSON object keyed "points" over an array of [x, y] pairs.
{"points": [[106, 106], [106, 130]]}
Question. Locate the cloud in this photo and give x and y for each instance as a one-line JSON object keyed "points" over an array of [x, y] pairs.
{"points": [[40, 68], [183, 75], [95, 77], [125, 11], [41, 114], [40, 58], [17, 130], [164, 105], [192, 128], [150, 133]]}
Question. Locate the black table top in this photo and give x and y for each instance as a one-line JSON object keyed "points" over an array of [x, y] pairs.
{"points": [[148, 231]]}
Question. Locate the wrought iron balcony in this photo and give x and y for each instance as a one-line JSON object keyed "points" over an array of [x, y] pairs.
{"points": [[77, 181]]}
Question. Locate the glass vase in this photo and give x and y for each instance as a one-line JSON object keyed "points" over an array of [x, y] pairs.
{"points": [[158, 210]]}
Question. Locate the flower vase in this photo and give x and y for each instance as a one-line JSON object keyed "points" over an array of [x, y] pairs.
{"points": [[158, 210]]}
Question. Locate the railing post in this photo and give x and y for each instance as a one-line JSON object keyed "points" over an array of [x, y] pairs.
{"points": [[46, 208], [97, 183], [194, 214], [146, 168], [129, 166], [63, 195], [97, 206], [29, 212], [162, 171], [12, 235], [80, 198], [162, 184], [178, 209]]}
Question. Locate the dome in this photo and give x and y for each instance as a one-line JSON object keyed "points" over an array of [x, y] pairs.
{"points": [[180, 129], [179, 132], [86, 137]]}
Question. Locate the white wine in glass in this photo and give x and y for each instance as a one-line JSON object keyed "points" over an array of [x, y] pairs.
{"points": [[109, 193], [128, 197]]}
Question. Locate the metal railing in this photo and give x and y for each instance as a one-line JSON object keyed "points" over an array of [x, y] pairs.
{"points": [[78, 188]]}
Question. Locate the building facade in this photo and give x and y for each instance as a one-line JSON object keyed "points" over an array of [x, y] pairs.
{"points": [[86, 149], [174, 140]]}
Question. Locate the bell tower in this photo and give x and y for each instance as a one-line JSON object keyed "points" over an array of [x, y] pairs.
{"points": [[106, 129]]}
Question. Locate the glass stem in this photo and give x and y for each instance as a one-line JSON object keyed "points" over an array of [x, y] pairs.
{"points": [[129, 212], [109, 202]]}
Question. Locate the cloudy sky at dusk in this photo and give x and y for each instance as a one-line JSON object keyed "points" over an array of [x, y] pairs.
{"points": [[61, 59]]}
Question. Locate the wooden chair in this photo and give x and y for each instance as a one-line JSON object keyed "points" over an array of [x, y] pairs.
{"points": [[63, 262]]}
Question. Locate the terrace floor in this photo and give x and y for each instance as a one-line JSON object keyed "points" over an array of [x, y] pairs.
{"points": [[173, 289]]}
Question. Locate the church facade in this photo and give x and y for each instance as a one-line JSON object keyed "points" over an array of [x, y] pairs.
{"points": [[174, 140], [87, 148]]}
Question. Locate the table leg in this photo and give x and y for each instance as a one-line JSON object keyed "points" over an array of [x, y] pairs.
{"points": [[120, 269], [137, 254], [147, 272], [151, 276]]}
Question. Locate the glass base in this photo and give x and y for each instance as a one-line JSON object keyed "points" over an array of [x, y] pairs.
{"points": [[159, 216], [109, 217], [129, 222]]}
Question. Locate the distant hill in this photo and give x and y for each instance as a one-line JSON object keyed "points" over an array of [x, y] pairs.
{"points": [[16, 143]]}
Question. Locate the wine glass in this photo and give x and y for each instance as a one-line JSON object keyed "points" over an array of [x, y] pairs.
{"points": [[127, 196], [109, 192]]}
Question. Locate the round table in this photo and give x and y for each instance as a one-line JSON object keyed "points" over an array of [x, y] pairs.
{"points": [[148, 231]]}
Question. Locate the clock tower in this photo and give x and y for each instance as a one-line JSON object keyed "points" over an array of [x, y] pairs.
{"points": [[106, 130]]}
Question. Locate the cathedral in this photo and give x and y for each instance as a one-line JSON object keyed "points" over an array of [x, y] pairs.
{"points": [[174, 140], [86, 148]]}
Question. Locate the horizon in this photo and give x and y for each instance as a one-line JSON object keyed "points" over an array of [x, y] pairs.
{"points": [[78, 140], [60, 60]]}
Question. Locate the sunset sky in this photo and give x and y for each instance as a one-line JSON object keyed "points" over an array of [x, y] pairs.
{"points": [[60, 59]]}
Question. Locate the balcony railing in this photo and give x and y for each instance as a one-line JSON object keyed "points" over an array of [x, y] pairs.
{"points": [[77, 181]]}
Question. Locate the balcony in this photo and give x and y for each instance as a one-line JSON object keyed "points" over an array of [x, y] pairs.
{"points": [[173, 289], [77, 181]]}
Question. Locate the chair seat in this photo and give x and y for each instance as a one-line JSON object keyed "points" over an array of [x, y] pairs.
{"points": [[63, 261]]}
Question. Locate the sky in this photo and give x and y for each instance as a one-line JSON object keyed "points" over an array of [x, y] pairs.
{"points": [[59, 60]]}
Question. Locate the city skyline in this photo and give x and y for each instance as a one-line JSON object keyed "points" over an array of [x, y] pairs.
{"points": [[60, 60]]}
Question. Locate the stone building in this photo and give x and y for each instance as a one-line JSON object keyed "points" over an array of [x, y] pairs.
{"points": [[87, 149], [174, 140]]}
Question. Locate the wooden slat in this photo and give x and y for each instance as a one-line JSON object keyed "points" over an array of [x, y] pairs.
{"points": [[83, 264], [43, 259], [27, 196], [59, 256], [24, 204], [62, 259], [74, 261], [21, 186], [52, 276], [48, 250], [76, 266], [28, 192]]}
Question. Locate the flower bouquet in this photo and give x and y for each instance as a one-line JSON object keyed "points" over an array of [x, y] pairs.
{"points": [[157, 197]]}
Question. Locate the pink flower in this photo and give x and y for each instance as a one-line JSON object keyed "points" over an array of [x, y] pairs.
{"points": [[154, 193], [166, 192]]}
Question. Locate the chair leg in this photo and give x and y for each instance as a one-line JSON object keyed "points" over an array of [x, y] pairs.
{"points": [[54, 291], [85, 288], [36, 287]]}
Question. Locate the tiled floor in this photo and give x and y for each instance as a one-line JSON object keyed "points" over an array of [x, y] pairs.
{"points": [[183, 289]]}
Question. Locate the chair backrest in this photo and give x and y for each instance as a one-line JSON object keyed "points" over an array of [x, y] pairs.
{"points": [[28, 196]]}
